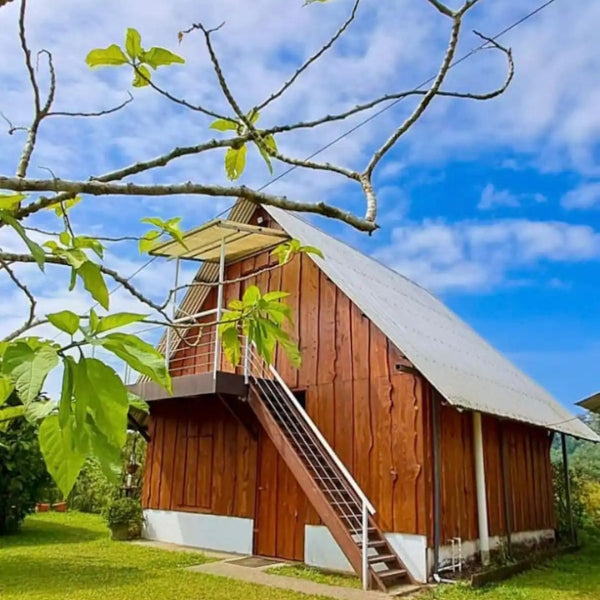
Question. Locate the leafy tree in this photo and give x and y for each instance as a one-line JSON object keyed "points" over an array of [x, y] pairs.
{"points": [[89, 418], [23, 475]]}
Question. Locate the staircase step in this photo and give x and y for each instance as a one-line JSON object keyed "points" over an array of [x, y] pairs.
{"points": [[382, 558], [391, 574]]}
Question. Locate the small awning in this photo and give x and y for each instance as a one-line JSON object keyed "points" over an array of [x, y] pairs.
{"points": [[591, 403], [204, 243]]}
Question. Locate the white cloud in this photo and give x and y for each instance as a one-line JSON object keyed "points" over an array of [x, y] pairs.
{"points": [[477, 256], [492, 197], [585, 196]]}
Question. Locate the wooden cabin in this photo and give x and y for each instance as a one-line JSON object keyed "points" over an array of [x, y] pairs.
{"points": [[403, 437]]}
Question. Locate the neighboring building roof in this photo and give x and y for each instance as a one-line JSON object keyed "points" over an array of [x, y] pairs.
{"points": [[591, 403], [461, 365]]}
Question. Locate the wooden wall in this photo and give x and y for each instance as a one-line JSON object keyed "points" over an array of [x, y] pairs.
{"points": [[199, 459], [529, 475], [371, 413]]}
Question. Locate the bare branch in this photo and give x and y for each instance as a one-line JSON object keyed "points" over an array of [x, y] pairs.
{"points": [[52, 89], [367, 174], [58, 260], [30, 298], [181, 101], [98, 188], [101, 238], [100, 113], [33, 129], [11, 128], [441, 7], [312, 59]]}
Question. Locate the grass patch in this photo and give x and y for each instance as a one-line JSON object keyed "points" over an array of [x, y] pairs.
{"points": [[573, 576], [316, 575], [71, 557]]}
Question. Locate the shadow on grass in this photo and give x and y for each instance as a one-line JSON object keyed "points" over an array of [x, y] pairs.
{"points": [[51, 533], [55, 576]]}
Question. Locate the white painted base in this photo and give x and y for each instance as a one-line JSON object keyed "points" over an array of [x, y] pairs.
{"points": [[321, 550], [212, 532], [412, 549], [470, 548]]}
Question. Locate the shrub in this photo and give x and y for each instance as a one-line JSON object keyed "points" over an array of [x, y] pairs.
{"points": [[23, 475], [93, 492], [126, 514]]}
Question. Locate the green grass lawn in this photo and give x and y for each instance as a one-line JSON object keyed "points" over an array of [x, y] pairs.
{"points": [[569, 577], [70, 556]]}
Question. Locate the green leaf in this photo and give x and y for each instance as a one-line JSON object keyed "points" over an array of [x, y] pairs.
{"points": [[141, 76], [107, 454], [158, 57], [139, 355], [65, 238], [94, 321], [118, 320], [65, 320], [232, 345], [235, 162], [63, 459], [9, 414], [224, 125], [28, 368], [84, 241], [94, 283], [253, 116], [106, 397], [10, 201], [138, 403], [148, 241], [251, 296], [37, 411], [66, 392], [272, 296], [6, 388], [62, 208], [133, 43], [36, 250], [268, 144], [112, 56]]}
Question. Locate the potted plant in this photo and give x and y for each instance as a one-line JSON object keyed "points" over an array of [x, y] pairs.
{"points": [[125, 517], [60, 506]]}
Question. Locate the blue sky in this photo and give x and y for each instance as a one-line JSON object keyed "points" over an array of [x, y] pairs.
{"points": [[493, 206]]}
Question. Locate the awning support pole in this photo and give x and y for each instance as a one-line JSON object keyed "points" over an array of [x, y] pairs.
{"points": [[565, 457], [219, 307], [435, 413], [484, 540]]}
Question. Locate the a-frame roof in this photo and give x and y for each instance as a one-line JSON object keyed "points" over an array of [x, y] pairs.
{"points": [[467, 371], [461, 365]]}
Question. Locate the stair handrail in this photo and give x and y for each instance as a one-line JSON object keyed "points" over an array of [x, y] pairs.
{"points": [[315, 430]]}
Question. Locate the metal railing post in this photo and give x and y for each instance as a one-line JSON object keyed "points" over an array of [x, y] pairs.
{"points": [[246, 360], [365, 546], [219, 308]]}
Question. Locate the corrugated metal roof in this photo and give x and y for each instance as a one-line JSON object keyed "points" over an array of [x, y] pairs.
{"points": [[464, 368], [591, 403]]}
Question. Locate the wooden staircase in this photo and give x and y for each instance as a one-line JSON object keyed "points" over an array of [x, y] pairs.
{"points": [[330, 489]]}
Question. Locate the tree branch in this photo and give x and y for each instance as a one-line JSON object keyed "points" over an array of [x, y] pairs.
{"points": [[312, 59], [98, 188], [100, 113], [32, 302], [58, 260]]}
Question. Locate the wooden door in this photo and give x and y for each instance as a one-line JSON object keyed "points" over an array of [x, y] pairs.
{"points": [[281, 507]]}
